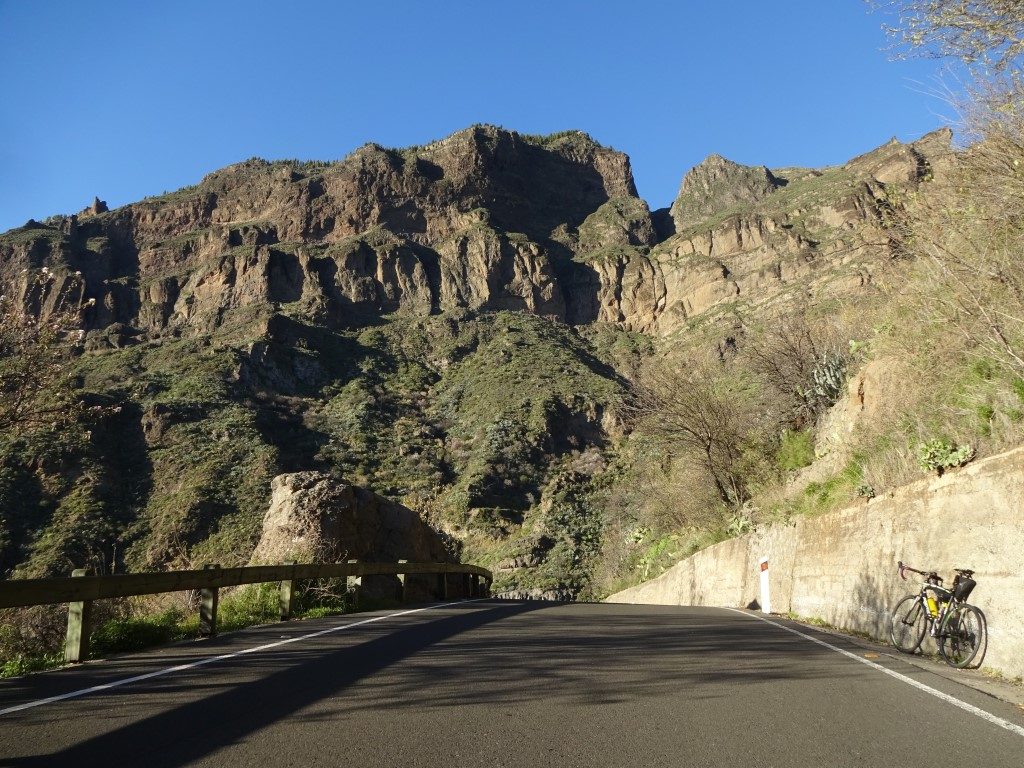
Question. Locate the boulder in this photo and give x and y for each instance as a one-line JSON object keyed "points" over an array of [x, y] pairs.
{"points": [[318, 517]]}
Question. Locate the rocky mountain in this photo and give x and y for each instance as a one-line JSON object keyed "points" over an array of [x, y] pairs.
{"points": [[485, 219], [450, 325]]}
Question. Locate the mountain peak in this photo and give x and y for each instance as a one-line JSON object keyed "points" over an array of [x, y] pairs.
{"points": [[717, 184]]}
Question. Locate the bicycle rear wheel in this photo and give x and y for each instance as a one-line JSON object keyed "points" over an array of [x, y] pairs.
{"points": [[962, 635], [908, 624]]}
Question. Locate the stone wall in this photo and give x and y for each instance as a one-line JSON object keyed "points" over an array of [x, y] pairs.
{"points": [[841, 567]]}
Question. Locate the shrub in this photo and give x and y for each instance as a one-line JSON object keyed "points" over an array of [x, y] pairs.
{"points": [[940, 454], [738, 525], [22, 664], [135, 633], [661, 553], [31, 639], [801, 362], [1017, 385], [253, 604], [796, 450], [865, 491], [321, 611]]}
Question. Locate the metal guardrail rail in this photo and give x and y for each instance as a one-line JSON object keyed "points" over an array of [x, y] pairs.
{"points": [[80, 590]]}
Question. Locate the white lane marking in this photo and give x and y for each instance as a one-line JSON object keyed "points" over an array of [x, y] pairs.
{"points": [[1012, 727], [221, 657]]}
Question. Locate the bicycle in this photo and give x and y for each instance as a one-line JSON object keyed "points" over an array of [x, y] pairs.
{"points": [[960, 630]]}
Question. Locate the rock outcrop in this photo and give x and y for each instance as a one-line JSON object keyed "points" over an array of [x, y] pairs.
{"points": [[718, 185], [485, 219], [757, 237], [95, 208], [316, 517]]}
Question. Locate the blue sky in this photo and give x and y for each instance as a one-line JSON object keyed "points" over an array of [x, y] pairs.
{"points": [[128, 99]]}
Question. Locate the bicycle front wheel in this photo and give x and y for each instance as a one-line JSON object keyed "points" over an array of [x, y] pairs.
{"points": [[908, 624], [962, 635]]}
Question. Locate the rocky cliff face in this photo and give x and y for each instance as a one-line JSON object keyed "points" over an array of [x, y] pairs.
{"points": [[748, 235], [484, 219]]}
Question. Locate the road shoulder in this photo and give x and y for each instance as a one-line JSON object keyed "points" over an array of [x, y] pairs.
{"points": [[997, 687]]}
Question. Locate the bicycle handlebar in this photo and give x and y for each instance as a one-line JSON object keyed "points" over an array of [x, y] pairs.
{"points": [[903, 568]]}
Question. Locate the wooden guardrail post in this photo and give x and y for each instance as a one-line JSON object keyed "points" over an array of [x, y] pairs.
{"points": [[208, 598], [403, 578], [285, 595], [76, 642]]}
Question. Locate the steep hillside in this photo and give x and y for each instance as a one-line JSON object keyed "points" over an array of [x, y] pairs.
{"points": [[453, 325]]}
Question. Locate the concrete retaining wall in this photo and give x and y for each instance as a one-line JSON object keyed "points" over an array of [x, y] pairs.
{"points": [[841, 567]]}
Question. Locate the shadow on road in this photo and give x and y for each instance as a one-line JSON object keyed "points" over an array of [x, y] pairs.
{"points": [[618, 654], [504, 655]]}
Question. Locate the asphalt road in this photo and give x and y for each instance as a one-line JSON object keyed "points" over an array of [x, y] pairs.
{"points": [[497, 683]]}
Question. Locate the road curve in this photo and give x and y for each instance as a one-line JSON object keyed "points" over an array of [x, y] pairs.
{"points": [[496, 683]]}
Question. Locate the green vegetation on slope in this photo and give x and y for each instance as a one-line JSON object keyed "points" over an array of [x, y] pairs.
{"points": [[467, 417]]}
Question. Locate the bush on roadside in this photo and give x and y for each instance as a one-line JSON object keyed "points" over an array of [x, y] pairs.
{"points": [[135, 633]]}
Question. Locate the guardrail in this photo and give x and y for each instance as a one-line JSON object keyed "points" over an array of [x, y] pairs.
{"points": [[80, 590]]}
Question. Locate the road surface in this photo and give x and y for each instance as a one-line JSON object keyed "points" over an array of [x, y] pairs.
{"points": [[495, 683]]}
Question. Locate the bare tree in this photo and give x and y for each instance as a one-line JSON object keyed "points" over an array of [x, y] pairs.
{"points": [[801, 363], [701, 414], [976, 32], [966, 231], [35, 352], [966, 227]]}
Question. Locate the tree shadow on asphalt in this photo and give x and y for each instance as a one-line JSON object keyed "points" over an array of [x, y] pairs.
{"points": [[649, 651], [486, 655]]}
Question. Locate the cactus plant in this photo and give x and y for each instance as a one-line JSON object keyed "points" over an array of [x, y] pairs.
{"points": [[828, 380]]}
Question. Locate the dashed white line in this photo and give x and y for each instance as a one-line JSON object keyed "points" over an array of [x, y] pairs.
{"points": [[996, 720], [221, 657]]}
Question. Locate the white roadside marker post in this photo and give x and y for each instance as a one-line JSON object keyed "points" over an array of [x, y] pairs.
{"points": [[766, 599]]}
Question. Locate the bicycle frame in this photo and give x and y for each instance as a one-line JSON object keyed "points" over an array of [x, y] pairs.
{"points": [[943, 597]]}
